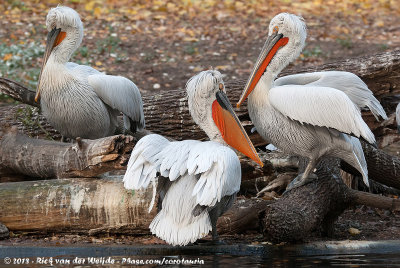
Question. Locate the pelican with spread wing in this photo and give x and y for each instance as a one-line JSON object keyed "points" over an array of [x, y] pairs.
{"points": [[197, 181], [312, 114], [78, 100]]}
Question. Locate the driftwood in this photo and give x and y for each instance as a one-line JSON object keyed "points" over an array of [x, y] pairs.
{"points": [[93, 206], [74, 205], [40, 158], [315, 207], [51, 159], [87, 205]]}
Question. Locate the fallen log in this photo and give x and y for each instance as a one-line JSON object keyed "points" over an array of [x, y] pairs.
{"points": [[30, 158], [40, 158], [75, 206], [382, 167], [93, 206], [167, 113], [316, 206]]}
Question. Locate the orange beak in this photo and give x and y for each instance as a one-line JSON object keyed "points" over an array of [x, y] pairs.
{"points": [[271, 46], [54, 38], [231, 130]]}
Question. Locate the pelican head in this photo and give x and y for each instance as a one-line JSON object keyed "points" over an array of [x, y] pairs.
{"points": [[64, 37], [211, 110], [286, 39]]}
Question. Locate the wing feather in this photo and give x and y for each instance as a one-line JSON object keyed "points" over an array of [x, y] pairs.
{"points": [[216, 166], [120, 94], [320, 106], [219, 170], [349, 83], [142, 165]]}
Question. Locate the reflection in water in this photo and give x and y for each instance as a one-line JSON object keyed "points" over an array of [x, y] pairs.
{"points": [[386, 255], [351, 260]]}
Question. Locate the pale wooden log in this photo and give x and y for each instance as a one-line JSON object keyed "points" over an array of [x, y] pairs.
{"points": [[50, 159], [93, 206], [74, 205]]}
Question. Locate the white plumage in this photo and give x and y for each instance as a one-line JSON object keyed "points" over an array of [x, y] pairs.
{"points": [[398, 117], [197, 181], [328, 108], [310, 114], [78, 100], [202, 173], [357, 91]]}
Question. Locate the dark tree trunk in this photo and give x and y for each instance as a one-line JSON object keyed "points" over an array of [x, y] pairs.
{"points": [[316, 205]]}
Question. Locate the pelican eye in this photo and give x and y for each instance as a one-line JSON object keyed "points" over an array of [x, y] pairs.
{"points": [[276, 29], [221, 86]]}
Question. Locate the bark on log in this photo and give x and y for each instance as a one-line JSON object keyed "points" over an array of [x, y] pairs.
{"points": [[74, 205], [316, 205], [382, 167], [166, 112], [92, 206], [39, 158], [88, 158], [20, 154]]}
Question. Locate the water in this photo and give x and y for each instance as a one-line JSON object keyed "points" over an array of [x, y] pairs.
{"points": [[328, 254]]}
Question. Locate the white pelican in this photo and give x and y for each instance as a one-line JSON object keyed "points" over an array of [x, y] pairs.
{"points": [[313, 114], [398, 117], [197, 181], [78, 100]]}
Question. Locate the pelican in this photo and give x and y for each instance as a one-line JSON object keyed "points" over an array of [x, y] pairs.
{"points": [[78, 100], [311, 115], [197, 181], [398, 117]]}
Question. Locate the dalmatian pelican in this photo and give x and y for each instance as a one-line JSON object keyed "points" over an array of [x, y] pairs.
{"points": [[313, 114], [398, 117], [78, 100], [197, 181]]}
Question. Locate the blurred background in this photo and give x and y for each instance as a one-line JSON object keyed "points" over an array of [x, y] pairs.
{"points": [[160, 44]]}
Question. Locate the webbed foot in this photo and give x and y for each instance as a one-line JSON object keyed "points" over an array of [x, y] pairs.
{"points": [[300, 181]]}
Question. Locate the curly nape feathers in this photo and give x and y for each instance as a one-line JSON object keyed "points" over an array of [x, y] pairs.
{"points": [[294, 28], [202, 86], [61, 17], [201, 91]]}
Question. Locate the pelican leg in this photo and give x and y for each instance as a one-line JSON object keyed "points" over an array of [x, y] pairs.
{"points": [[303, 178], [214, 231]]}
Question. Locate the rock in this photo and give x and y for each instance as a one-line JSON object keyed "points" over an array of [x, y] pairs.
{"points": [[354, 231], [4, 233]]}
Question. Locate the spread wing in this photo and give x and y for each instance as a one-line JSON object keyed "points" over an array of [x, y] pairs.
{"points": [[219, 170], [217, 166], [349, 83], [320, 106], [120, 94]]}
